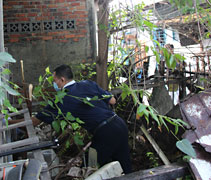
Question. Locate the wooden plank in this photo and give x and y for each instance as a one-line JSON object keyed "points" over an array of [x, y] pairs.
{"points": [[155, 146], [45, 175], [17, 125], [20, 143], [166, 172], [15, 113]]}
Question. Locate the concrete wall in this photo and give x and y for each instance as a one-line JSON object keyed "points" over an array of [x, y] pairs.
{"points": [[47, 33]]}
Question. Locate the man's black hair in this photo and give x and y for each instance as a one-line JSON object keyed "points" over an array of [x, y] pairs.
{"points": [[172, 46], [64, 71]]}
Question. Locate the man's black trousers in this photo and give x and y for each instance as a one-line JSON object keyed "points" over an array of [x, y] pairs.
{"points": [[111, 143]]}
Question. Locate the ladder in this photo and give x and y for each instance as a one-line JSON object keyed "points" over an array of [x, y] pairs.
{"points": [[32, 139]]}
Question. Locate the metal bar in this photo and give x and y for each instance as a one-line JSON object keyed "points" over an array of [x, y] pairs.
{"points": [[29, 148], [20, 143]]}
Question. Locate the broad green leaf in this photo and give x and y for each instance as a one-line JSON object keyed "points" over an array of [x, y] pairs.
{"points": [[149, 24], [79, 121], [50, 103], [75, 126], [179, 57], [157, 56], [176, 129], [185, 146], [20, 100], [6, 57], [43, 103], [163, 122], [6, 71], [78, 139], [157, 43], [47, 70], [154, 116], [56, 99], [70, 117], [63, 124], [140, 109], [56, 126], [124, 94], [9, 89], [95, 98], [146, 48], [50, 79], [40, 79], [59, 111]]}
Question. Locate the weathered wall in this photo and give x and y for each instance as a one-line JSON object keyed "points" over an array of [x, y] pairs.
{"points": [[47, 33]]}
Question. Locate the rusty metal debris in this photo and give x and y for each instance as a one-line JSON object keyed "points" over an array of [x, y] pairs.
{"points": [[196, 111]]}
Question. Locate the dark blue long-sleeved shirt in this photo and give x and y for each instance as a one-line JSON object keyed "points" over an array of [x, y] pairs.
{"points": [[92, 116]]}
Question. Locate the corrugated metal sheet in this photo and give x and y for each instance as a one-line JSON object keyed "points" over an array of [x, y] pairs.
{"points": [[196, 111]]}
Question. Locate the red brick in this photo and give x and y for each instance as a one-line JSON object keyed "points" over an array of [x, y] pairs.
{"points": [[39, 18], [81, 20], [83, 30], [63, 40], [47, 38], [76, 39], [13, 3], [60, 1], [29, 6], [75, 4], [83, 15], [32, 14], [15, 36], [23, 19], [52, 6], [20, 15], [80, 35], [67, 13], [80, 8], [69, 36], [24, 3], [7, 7], [71, 0], [73, 16], [62, 9], [14, 40], [35, 2], [80, 12]]}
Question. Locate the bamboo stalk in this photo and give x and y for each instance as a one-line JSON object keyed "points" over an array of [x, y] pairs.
{"points": [[155, 146]]}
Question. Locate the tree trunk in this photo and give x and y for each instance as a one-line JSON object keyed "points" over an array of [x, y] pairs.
{"points": [[102, 78]]}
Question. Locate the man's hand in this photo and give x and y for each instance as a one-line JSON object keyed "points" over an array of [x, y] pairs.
{"points": [[112, 101]]}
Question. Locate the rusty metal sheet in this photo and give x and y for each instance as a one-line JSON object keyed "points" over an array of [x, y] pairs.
{"points": [[201, 166], [196, 111]]}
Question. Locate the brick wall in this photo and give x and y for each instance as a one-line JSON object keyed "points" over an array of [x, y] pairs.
{"points": [[59, 20], [46, 33]]}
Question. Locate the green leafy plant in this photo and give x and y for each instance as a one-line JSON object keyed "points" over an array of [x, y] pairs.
{"points": [[185, 146], [153, 159], [6, 86]]}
